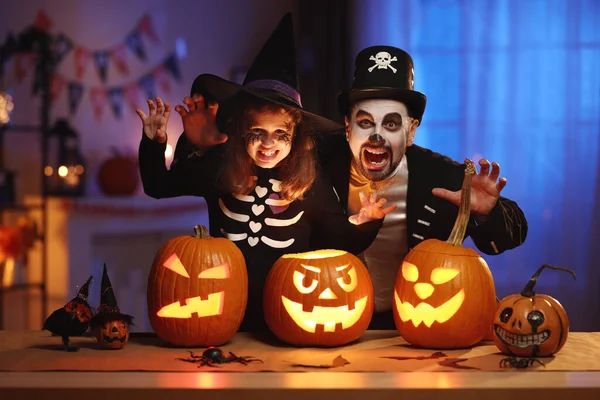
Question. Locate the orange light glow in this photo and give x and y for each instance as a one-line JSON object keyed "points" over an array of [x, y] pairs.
{"points": [[427, 314], [218, 272], [410, 272], [315, 255], [204, 308], [63, 171], [423, 290], [443, 275], [175, 265], [329, 317]]}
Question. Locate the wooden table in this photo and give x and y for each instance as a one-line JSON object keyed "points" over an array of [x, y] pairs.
{"points": [[145, 369]]}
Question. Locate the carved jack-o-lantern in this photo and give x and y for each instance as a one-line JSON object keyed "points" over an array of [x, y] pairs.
{"points": [[530, 324], [197, 290], [112, 334], [444, 296], [319, 298]]}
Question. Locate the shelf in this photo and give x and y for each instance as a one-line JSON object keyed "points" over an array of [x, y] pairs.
{"points": [[21, 286], [21, 128], [19, 207]]}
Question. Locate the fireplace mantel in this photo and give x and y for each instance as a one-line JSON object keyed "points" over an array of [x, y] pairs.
{"points": [[74, 223]]}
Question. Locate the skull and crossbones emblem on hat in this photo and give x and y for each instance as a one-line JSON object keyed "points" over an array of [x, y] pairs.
{"points": [[383, 60]]}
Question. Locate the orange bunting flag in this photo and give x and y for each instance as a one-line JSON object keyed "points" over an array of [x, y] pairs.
{"points": [[43, 21], [118, 56], [145, 26], [82, 60], [98, 98]]}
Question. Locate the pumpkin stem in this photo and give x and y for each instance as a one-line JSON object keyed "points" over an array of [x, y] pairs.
{"points": [[460, 225], [201, 232], [528, 290]]}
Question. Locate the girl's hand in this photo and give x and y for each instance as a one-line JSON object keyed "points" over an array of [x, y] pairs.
{"points": [[371, 209], [155, 125]]}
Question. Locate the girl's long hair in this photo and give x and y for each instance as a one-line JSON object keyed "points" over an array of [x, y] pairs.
{"points": [[297, 171]]}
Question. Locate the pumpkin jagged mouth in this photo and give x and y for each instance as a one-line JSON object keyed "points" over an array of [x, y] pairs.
{"points": [[329, 317], [204, 308], [427, 314], [520, 341], [108, 339]]}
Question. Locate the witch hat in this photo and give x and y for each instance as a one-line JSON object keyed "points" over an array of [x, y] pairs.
{"points": [[84, 290], [384, 72], [272, 76], [108, 310]]}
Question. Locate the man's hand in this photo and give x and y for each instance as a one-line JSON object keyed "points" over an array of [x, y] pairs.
{"points": [[371, 209], [485, 191], [155, 124], [199, 122]]}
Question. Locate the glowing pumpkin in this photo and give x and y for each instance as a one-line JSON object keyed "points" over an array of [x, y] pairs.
{"points": [[530, 324], [197, 290], [320, 298], [444, 296]]}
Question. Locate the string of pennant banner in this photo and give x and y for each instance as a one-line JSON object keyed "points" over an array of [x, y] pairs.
{"points": [[117, 55]]}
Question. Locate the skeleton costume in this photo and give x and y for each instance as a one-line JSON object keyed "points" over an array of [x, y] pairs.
{"points": [[261, 223]]}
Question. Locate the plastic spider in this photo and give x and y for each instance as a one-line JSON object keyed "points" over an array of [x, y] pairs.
{"points": [[214, 355], [522, 363]]}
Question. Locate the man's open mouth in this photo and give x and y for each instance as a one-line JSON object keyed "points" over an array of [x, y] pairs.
{"points": [[375, 158]]}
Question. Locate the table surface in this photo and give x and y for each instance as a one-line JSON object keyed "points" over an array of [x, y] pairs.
{"points": [[30, 367]]}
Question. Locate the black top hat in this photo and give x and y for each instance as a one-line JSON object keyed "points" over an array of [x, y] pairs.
{"points": [[108, 310], [384, 72], [272, 76]]}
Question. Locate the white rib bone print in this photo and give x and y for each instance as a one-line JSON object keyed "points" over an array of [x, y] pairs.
{"points": [[255, 223]]}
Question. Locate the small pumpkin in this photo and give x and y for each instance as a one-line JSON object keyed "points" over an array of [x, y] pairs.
{"points": [[322, 298], [530, 324], [119, 174], [109, 326], [197, 290], [112, 334], [444, 297]]}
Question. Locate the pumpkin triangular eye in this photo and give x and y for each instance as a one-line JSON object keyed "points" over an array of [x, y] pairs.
{"points": [[443, 274], [410, 271], [175, 265], [218, 272]]}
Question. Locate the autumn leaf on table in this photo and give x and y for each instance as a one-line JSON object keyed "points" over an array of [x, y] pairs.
{"points": [[453, 363], [339, 361], [434, 356]]}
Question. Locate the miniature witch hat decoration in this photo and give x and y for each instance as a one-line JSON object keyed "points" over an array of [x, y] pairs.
{"points": [[84, 290], [108, 309]]}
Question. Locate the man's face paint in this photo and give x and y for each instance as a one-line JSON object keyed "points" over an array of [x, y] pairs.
{"points": [[379, 130]]}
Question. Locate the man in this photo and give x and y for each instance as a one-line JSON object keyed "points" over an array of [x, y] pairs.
{"points": [[382, 113]]}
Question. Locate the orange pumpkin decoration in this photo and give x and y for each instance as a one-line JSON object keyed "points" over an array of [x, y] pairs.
{"points": [[197, 290], [530, 324], [119, 175], [109, 325], [321, 298], [444, 297], [112, 334]]}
